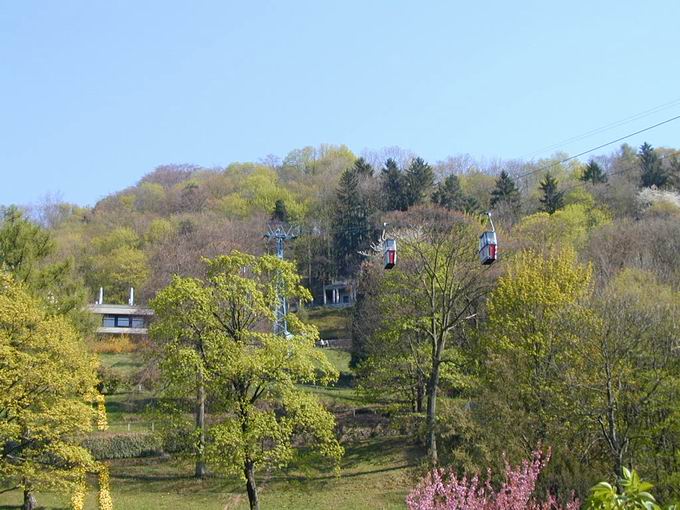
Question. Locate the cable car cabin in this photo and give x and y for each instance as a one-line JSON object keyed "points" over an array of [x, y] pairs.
{"points": [[488, 248], [390, 253]]}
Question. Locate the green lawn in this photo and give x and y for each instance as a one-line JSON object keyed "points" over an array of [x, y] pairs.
{"points": [[374, 474], [339, 359], [331, 322], [127, 363]]}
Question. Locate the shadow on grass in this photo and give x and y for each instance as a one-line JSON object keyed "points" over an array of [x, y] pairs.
{"points": [[319, 478], [129, 405], [367, 458]]}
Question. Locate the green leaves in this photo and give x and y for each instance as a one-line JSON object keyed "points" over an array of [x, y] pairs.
{"points": [[634, 495], [47, 384], [216, 334]]}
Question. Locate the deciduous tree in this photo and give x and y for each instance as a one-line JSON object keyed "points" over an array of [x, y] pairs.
{"points": [[440, 282], [47, 385], [217, 342]]}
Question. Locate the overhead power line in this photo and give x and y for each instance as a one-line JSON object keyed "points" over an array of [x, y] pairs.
{"points": [[593, 149], [607, 127], [609, 174]]}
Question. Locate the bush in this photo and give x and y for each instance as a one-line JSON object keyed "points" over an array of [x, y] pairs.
{"points": [[635, 494], [109, 380], [114, 345], [123, 445], [441, 490]]}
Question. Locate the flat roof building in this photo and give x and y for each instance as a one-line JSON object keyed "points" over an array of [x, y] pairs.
{"points": [[127, 319]]}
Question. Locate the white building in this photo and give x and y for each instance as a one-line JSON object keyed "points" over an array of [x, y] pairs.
{"points": [[127, 319]]}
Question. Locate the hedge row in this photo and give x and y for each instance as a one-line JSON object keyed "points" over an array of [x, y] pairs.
{"points": [[123, 445]]}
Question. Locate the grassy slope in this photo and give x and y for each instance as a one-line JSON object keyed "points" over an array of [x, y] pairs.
{"points": [[331, 322]]}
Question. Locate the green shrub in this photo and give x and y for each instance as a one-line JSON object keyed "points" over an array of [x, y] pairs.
{"points": [[109, 380], [634, 495], [114, 345], [123, 445]]}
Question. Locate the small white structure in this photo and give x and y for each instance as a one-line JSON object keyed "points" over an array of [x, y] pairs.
{"points": [[127, 319], [339, 293]]}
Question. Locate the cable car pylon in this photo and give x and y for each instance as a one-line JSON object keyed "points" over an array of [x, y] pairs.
{"points": [[280, 235]]}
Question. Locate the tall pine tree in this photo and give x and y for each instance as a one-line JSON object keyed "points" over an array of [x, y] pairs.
{"points": [[419, 178], [653, 173], [449, 195], [280, 212], [593, 173], [552, 199], [505, 191], [363, 168], [394, 187], [351, 226]]}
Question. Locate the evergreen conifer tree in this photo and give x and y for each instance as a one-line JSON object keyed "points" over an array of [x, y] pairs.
{"points": [[653, 173], [505, 191], [449, 195], [280, 212], [552, 199], [593, 173], [351, 224], [363, 168], [394, 187], [419, 178]]}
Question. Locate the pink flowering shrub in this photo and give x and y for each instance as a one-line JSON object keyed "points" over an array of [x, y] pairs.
{"points": [[441, 490]]}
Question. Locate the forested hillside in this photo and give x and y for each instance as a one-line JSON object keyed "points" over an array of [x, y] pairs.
{"points": [[567, 343], [176, 214]]}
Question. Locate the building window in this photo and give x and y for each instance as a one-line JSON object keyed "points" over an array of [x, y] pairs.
{"points": [[123, 322], [109, 321], [138, 322]]}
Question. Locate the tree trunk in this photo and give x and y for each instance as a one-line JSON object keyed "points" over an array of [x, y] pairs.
{"points": [[251, 487], [29, 500], [420, 395], [200, 426], [433, 386]]}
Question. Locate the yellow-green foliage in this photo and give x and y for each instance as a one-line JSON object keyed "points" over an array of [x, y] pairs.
{"points": [[79, 493], [102, 422], [579, 196], [104, 499], [568, 227], [113, 345], [159, 230], [47, 383], [117, 263], [535, 290], [478, 185], [150, 196], [527, 344], [255, 190], [219, 332]]}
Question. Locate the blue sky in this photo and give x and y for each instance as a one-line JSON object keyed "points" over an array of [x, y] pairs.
{"points": [[93, 95]]}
